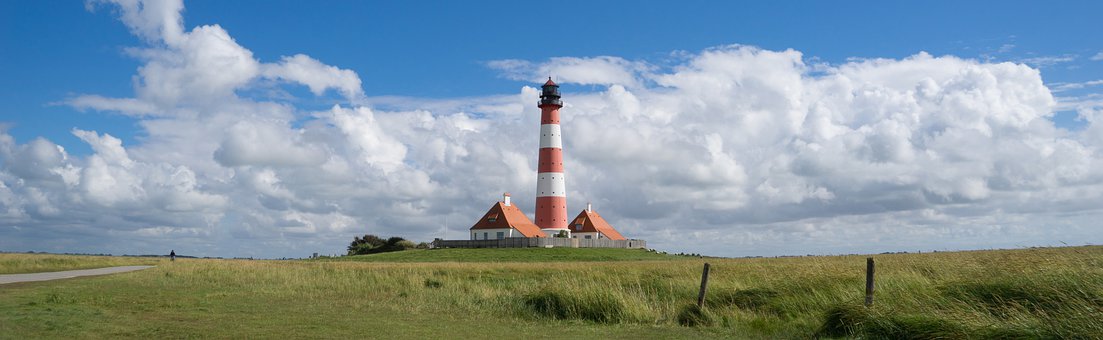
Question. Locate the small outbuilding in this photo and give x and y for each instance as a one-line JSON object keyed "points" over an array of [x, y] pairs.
{"points": [[590, 225], [505, 220]]}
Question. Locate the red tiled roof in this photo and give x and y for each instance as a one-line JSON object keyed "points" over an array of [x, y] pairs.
{"points": [[592, 222], [550, 82], [508, 217]]}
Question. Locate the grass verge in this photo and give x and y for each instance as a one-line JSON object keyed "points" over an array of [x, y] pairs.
{"points": [[1029, 293]]}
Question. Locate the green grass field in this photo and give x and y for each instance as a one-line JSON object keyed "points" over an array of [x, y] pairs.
{"points": [[1007, 294]]}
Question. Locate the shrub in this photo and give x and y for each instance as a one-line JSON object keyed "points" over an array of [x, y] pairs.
{"points": [[692, 315], [431, 283], [1034, 295], [754, 299], [859, 322], [844, 320], [913, 327], [597, 307]]}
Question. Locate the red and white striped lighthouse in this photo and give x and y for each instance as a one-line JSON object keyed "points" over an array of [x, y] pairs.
{"points": [[551, 189]]}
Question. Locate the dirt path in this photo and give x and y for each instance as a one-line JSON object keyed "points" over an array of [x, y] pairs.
{"points": [[13, 278]]}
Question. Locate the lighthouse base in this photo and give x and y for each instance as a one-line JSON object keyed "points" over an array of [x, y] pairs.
{"points": [[557, 232], [541, 242]]}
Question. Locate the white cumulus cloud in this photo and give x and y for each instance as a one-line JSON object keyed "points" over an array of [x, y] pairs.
{"points": [[733, 150]]}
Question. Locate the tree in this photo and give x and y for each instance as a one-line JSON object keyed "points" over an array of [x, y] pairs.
{"points": [[371, 244], [364, 245], [394, 240], [405, 244]]}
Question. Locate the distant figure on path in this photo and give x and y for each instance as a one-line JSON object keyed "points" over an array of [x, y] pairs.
{"points": [[172, 255]]}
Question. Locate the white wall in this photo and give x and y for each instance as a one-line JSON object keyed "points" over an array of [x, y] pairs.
{"points": [[583, 235], [492, 234]]}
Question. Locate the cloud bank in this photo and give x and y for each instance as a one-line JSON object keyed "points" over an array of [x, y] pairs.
{"points": [[734, 150]]}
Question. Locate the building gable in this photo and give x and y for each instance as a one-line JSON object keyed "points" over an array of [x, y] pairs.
{"points": [[501, 216], [589, 221]]}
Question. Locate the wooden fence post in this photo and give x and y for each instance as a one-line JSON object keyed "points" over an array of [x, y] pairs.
{"points": [[869, 281], [704, 286]]}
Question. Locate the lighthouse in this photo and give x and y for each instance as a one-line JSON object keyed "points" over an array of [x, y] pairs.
{"points": [[551, 189], [505, 221]]}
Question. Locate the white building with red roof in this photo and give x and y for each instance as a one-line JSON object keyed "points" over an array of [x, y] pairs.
{"points": [[590, 225], [504, 220]]}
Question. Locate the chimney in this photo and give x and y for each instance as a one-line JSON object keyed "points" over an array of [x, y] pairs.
{"points": [[589, 208], [505, 199]]}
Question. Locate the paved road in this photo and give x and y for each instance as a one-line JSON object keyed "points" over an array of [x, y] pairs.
{"points": [[12, 278]]}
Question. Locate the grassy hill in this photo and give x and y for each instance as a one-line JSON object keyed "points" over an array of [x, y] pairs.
{"points": [[512, 255], [1006, 294]]}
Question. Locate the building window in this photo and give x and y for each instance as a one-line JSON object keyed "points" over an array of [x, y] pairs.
{"points": [[577, 227], [587, 237], [501, 235], [484, 236]]}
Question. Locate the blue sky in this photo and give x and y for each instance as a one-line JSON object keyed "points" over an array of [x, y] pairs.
{"points": [[467, 63], [430, 49]]}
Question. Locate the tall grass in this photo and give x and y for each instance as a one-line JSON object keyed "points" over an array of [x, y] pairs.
{"points": [[1030, 293], [36, 263]]}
